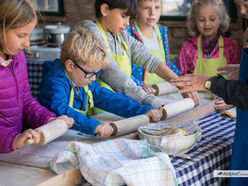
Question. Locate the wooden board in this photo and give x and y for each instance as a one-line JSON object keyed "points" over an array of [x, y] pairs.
{"points": [[72, 177], [12, 174]]}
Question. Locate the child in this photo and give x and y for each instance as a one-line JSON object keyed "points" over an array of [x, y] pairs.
{"points": [[209, 48], [69, 86], [112, 18], [207, 23], [18, 19], [154, 37], [235, 92]]}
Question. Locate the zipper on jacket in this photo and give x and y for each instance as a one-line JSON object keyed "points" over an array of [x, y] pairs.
{"points": [[17, 93]]}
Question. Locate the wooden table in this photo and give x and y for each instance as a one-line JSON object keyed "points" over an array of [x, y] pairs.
{"points": [[26, 166]]}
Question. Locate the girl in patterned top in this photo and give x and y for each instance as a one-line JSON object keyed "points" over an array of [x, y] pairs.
{"points": [[209, 47]]}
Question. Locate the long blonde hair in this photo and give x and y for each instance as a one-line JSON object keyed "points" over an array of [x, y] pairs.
{"points": [[84, 48], [192, 15], [15, 14]]}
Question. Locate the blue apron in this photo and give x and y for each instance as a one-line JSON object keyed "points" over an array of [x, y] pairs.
{"points": [[240, 146]]}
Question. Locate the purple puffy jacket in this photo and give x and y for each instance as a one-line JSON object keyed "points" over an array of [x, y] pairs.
{"points": [[17, 104]]}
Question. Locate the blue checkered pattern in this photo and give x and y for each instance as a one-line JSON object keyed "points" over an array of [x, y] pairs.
{"points": [[213, 152], [35, 69]]}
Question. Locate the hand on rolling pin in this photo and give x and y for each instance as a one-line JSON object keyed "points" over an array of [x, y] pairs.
{"points": [[220, 105], [21, 139], [149, 90], [155, 114], [104, 130], [68, 120], [193, 95]]}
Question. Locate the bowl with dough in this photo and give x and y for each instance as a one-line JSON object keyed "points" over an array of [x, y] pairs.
{"points": [[172, 144]]}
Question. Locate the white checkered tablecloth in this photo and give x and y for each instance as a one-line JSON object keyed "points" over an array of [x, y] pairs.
{"points": [[35, 69], [213, 152]]}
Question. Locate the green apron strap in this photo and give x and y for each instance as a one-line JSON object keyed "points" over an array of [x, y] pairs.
{"points": [[124, 46], [221, 47], [160, 41], [199, 48], [103, 35], [89, 98]]}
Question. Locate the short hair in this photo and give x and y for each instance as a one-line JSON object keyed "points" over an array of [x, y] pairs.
{"points": [[15, 14], [192, 15], [128, 5], [83, 47]]}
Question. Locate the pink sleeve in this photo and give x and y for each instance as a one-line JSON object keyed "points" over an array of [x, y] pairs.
{"points": [[236, 55], [232, 52], [7, 138], [186, 59]]}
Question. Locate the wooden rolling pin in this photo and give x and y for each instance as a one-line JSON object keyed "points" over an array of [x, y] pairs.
{"points": [[50, 131], [164, 88], [129, 125], [178, 107]]}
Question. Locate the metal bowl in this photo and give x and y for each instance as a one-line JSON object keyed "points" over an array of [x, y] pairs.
{"points": [[172, 144]]}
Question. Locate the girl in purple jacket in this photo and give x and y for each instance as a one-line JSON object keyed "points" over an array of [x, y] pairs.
{"points": [[17, 106], [209, 48]]}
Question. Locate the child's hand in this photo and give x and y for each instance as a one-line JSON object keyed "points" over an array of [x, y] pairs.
{"points": [[220, 105], [68, 120], [21, 139], [193, 95], [155, 114], [149, 90], [230, 70], [104, 130]]}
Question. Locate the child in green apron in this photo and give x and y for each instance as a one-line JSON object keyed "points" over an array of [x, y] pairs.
{"points": [[154, 37], [208, 48], [112, 19], [69, 86], [234, 92]]}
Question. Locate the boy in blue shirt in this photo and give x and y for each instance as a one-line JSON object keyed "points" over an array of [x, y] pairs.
{"points": [[69, 87]]}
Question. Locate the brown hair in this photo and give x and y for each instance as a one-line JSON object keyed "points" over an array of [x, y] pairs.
{"points": [[15, 14], [83, 47], [218, 5]]}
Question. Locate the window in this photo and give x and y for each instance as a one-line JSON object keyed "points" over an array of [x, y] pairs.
{"points": [[50, 7], [176, 10], [176, 7]]}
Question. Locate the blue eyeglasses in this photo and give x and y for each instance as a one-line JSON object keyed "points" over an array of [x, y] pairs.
{"points": [[89, 74]]}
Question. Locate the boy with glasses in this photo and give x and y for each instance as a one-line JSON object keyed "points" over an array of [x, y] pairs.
{"points": [[69, 86]]}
